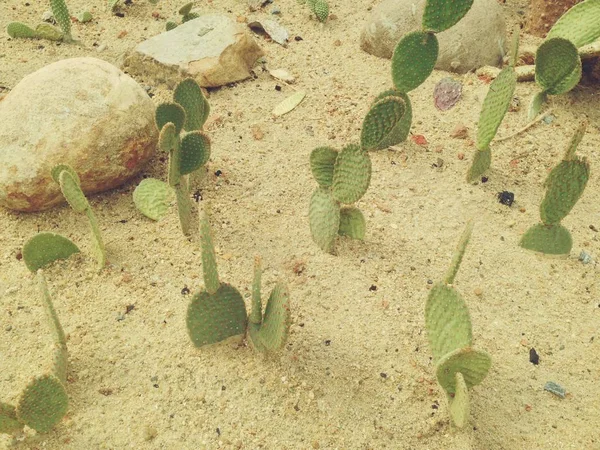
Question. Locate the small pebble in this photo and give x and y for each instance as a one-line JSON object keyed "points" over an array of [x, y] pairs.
{"points": [[478, 292], [556, 389], [534, 358], [506, 198], [585, 257], [275, 10]]}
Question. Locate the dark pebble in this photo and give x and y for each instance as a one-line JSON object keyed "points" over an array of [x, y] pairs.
{"points": [[534, 358], [506, 198]]}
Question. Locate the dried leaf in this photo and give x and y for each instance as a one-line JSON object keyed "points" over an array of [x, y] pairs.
{"points": [[283, 75], [289, 103]]}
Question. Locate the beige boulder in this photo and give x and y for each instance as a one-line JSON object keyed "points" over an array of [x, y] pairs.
{"points": [[213, 49], [82, 111]]}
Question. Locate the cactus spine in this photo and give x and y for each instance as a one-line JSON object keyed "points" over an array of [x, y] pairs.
{"points": [[564, 186], [458, 366]]}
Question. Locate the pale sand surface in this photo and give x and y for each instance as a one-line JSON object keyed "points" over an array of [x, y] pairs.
{"points": [[373, 386]]}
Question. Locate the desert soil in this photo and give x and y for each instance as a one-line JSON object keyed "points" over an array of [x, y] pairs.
{"points": [[357, 371]]}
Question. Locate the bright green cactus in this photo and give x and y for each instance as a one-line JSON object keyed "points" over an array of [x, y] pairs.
{"points": [[44, 401], [45, 30], [181, 137], [218, 312], [564, 186], [439, 15], [580, 24], [44, 248], [269, 332], [63, 18], [458, 366], [320, 8], [20, 31], [413, 60], [69, 183]]}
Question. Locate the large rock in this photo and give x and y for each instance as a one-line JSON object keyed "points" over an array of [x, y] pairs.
{"points": [[477, 40], [82, 111], [212, 49]]}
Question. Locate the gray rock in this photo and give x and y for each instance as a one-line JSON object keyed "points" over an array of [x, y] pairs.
{"points": [[82, 111], [213, 49], [477, 40]]}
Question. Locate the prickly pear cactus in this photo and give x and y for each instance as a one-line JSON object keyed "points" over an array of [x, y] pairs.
{"points": [[324, 217], [152, 198], [62, 16], [194, 153], [448, 325], [189, 95], [322, 162], [9, 423], [352, 223], [218, 312], [439, 15], [413, 60], [351, 174], [557, 66], [564, 186], [381, 120], [44, 248], [269, 332], [580, 24], [170, 112], [400, 132], [19, 30], [321, 10]]}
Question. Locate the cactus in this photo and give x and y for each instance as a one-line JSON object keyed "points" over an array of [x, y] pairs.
{"points": [[580, 24], [320, 8], [84, 17], [20, 30], [458, 366], [413, 60], [218, 312], [439, 15], [44, 401], [181, 136], [186, 15], [44, 248], [324, 218], [351, 174], [269, 332], [352, 223], [400, 131], [45, 30], [63, 18], [564, 186], [69, 183], [495, 106], [381, 120]]}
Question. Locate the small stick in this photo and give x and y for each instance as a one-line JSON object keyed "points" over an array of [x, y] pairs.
{"points": [[526, 127]]}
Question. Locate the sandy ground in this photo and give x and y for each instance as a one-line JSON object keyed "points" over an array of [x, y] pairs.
{"points": [[357, 371]]}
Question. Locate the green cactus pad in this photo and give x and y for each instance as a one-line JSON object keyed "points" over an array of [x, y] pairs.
{"points": [[72, 192], [84, 17], [62, 16], [273, 333], [461, 248], [9, 423], [459, 405], [44, 248], [473, 364], [321, 10], [381, 120], [170, 25], [170, 112], [190, 16], [400, 132], [186, 9], [351, 174], [56, 170], [514, 47], [535, 107], [580, 24], [447, 321], [43, 403], [152, 198], [322, 162], [189, 95], [49, 32], [194, 152], [97, 242], [413, 60], [209, 259], [481, 162], [557, 66], [324, 217], [575, 141], [212, 318], [352, 223], [19, 30], [565, 184], [439, 15], [58, 334], [184, 207], [496, 104], [255, 317], [547, 239]]}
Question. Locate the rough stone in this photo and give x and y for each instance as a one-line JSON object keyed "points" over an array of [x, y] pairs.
{"points": [[477, 40], [81, 111], [213, 49]]}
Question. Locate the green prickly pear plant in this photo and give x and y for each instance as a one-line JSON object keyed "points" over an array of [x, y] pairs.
{"points": [[320, 8], [46, 247], [186, 15], [44, 401], [458, 365], [558, 66], [218, 312], [180, 123], [564, 186], [45, 30], [495, 106], [69, 182]]}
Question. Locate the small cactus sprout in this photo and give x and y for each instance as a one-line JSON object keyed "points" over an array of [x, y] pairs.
{"points": [[413, 60], [84, 17], [71, 189], [269, 332], [44, 401], [439, 15], [186, 15], [63, 18], [181, 136], [321, 10], [44, 248], [564, 186], [448, 323]]}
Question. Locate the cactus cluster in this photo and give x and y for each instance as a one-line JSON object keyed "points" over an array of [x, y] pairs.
{"points": [[558, 65], [186, 15], [69, 183], [218, 312], [458, 365], [45, 30], [44, 401], [180, 123], [564, 185]]}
